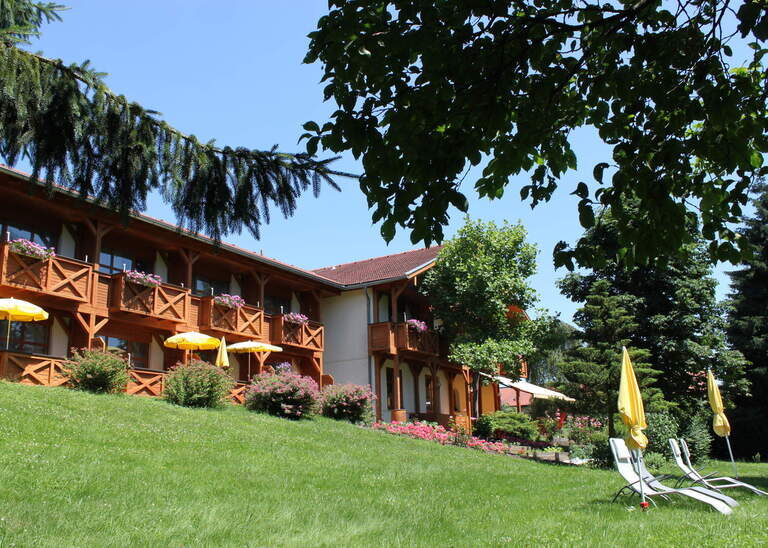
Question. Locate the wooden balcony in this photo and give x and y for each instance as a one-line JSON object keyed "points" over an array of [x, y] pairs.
{"points": [[310, 335], [163, 302], [57, 276], [246, 321], [394, 338]]}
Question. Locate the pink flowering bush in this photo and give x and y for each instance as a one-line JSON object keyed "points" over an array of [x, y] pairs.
{"points": [[417, 325], [349, 402], [229, 301], [295, 317], [579, 429], [443, 436], [283, 394], [143, 278], [31, 249]]}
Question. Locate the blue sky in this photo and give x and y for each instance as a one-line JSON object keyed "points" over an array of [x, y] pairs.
{"points": [[232, 71]]}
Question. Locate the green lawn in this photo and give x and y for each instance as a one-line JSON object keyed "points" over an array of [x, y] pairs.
{"points": [[83, 470]]}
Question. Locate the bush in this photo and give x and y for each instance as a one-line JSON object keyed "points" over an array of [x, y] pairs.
{"points": [[578, 429], [599, 450], [505, 424], [654, 462], [698, 438], [661, 427], [97, 371], [283, 394], [349, 402], [198, 384]]}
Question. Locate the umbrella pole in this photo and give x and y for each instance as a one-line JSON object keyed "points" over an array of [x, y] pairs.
{"points": [[249, 367], [639, 475], [733, 462], [8, 335]]}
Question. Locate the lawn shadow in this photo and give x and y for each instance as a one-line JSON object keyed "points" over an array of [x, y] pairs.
{"points": [[761, 482]]}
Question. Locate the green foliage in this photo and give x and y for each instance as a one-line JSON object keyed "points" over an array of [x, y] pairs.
{"points": [[198, 384], [347, 402], [76, 132], [592, 371], [698, 437], [599, 450], [662, 425], [553, 339], [654, 462], [748, 331], [653, 80], [97, 371], [283, 394], [507, 424]]}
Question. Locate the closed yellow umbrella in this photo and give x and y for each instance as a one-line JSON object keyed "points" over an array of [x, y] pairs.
{"points": [[632, 414], [250, 347], [15, 310], [720, 423], [222, 358], [191, 340]]}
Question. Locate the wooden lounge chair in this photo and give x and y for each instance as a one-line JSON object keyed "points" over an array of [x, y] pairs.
{"points": [[682, 458], [623, 460]]}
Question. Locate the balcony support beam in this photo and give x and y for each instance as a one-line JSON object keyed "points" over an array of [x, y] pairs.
{"points": [[91, 324], [262, 280], [190, 258], [98, 229]]}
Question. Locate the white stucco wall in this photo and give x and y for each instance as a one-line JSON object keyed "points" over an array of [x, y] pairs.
{"points": [[156, 356], [346, 337], [59, 343], [234, 287], [66, 244], [161, 268], [295, 304], [444, 398]]}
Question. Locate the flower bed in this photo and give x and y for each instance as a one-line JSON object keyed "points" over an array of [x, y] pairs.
{"points": [[443, 436], [229, 301], [31, 249], [295, 317], [416, 325], [143, 278]]}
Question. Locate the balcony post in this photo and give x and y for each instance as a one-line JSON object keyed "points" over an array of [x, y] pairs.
{"points": [[190, 258], [98, 229], [398, 413], [451, 395]]}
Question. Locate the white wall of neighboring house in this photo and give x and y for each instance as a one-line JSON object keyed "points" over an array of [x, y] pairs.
{"points": [[66, 245], [59, 344], [234, 287], [161, 268], [345, 318]]}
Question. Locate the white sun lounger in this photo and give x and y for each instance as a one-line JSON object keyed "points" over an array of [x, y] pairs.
{"points": [[683, 460], [626, 468]]}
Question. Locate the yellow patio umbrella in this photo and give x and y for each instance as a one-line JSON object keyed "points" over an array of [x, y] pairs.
{"points": [[192, 340], [249, 347], [632, 413], [720, 423], [222, 358], [15, 310]]}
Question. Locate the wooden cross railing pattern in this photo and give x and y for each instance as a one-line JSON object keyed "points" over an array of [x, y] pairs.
{"points": [[163, 301], [237, 393], [426, 342], [245, 320], [58, 276], [34, 370], [307, 335], [144, 382]]}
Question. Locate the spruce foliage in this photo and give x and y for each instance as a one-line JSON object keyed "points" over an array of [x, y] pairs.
{"points": [[76, 132]]}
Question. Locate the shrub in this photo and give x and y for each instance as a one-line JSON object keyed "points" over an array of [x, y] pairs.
{"points": [[578, 429], [198, 384], [283, 394], [654, 462], [348, 402], [505, 424], [599, 450], [97, 371], [661, 426], [698, 438]]}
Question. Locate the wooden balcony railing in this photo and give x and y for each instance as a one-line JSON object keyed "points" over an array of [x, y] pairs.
{"points": [[310, 335], [247, 320], [394, 337], [165, 302], [381, 337], [56, 276]]}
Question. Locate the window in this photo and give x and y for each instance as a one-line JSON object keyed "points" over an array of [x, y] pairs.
{"points": [[138, 351], [15, 232], [428, 388], [206, 286], [27, 337], [276, 305], [112, 262], [391, 388]]}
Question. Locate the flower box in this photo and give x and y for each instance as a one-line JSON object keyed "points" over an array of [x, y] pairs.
{"points": [[416, 325], [29, 248], [295, 317], [229, 301], [143, 278]]}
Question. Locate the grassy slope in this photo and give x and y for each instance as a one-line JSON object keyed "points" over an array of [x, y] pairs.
{"points": [[77, 469]]}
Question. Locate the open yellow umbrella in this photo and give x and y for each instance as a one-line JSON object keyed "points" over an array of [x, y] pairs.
{"points": [[249, 347], [632, 413], [15, 310], [720, 423], [192, 340], [222, 358]]}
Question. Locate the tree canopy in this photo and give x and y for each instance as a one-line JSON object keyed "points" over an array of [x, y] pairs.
{"points": [[427, 89], [76, 132]]}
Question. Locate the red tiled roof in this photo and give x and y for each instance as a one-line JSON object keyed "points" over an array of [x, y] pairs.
{"points": [[379, 268]]}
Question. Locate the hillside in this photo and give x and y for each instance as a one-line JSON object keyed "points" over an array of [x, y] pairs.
{"points": [[84, 470]]}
